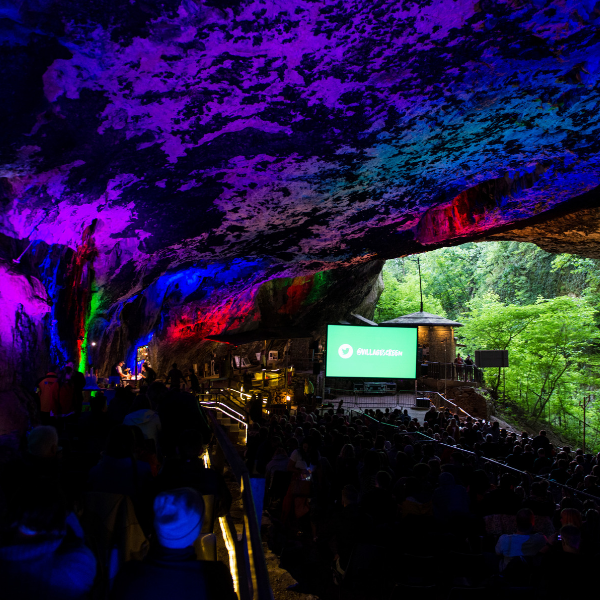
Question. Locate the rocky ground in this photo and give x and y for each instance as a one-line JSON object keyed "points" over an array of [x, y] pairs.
{"points": [[470, 400]]}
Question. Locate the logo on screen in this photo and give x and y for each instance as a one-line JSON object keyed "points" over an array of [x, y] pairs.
{"points": [[345, 351]]}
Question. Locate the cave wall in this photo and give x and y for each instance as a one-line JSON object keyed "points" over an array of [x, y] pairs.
{"points": [[177, 314], [23, 351], [185, 168]]}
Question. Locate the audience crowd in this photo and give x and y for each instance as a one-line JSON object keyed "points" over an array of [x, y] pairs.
{"points": [[116, 502], [455, 503], [111, 502]]}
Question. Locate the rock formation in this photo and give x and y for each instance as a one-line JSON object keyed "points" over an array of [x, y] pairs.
{"points": [[192, 167]]}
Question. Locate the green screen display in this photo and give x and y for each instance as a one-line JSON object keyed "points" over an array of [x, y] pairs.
{"points": [[371, 352]]}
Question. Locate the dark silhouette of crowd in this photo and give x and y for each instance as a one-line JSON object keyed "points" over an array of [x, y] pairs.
{"points": [[111, 501], [377, 505]]}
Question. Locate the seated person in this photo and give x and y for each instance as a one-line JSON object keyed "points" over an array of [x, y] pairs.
{"points": [[350, 527], [380, 503], [502, 500], [118, 472], [539, 502], [279, 462], [188, 470], [561, 474], [523, 543], [567, 573], [542, 463], [146, 418], [43, 455], [171, 570], [40, 555]]}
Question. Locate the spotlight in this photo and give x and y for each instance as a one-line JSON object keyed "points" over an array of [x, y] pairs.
{"points": [[93, 343]]}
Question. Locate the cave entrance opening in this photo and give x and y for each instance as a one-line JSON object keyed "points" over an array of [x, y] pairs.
{"points": [[542, 308]]}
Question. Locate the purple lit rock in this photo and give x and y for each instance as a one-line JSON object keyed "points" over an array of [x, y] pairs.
{"points": [[245, 142]]}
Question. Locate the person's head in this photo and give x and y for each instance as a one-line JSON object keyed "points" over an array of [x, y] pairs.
{"points": [[349, 495], [174, 366], [157, 392], [525, 520], [121, 442], [178, 516], [570, 537], [421, 470], [121, 363], [43, 442], [279, 452], [543, 432], [65, 374], [570, 516], [592, 518], [141, 402], [347, 451], [98, 403]]}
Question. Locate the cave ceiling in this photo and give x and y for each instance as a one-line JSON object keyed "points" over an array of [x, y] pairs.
{"points": [[185, 152]]}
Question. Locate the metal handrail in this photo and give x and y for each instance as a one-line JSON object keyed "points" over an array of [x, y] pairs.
{"points": [[259, 587], [445, 401], [224, 395], [452, 371]]}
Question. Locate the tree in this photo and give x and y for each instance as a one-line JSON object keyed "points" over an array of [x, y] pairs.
{"points": [[554, 348], [493, 325], [402, 298], [549, 344]]}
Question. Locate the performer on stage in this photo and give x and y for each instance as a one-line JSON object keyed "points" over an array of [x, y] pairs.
{"points": [[116, 374]]}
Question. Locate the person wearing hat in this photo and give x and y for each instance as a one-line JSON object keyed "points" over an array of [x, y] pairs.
{"points": [[172, 570]]}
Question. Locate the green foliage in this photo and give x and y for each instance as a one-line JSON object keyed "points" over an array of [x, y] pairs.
{"points": [[402, 298], [542, 307]]}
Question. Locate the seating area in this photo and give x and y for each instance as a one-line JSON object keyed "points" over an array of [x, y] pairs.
{"points": [[113, 502], [377, 505]]}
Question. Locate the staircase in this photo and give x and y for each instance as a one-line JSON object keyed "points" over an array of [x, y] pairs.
{"points": [[236, 432]]}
